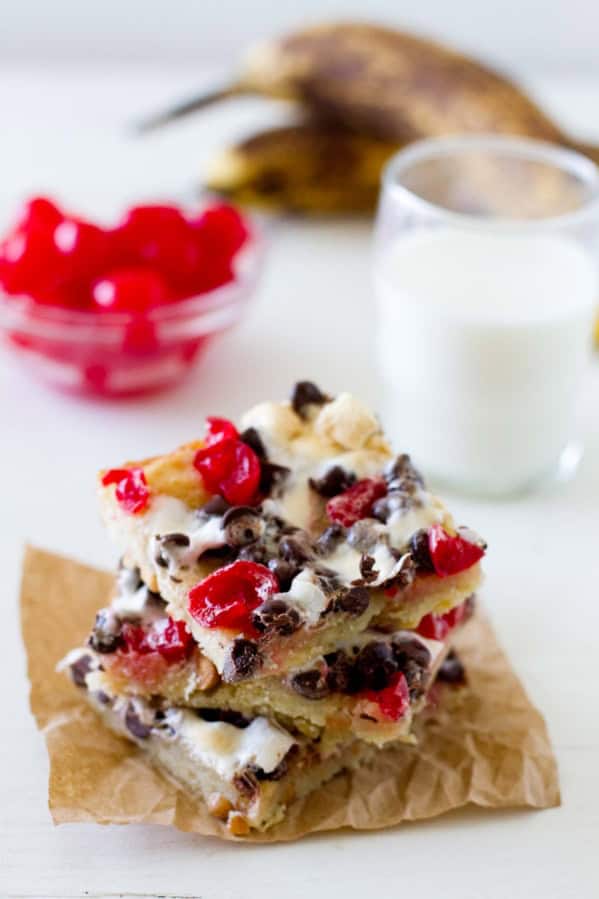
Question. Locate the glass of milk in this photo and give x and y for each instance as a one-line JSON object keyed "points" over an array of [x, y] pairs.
{"points": [[486, 253]]}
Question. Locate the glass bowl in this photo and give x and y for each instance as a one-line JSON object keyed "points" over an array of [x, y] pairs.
{"points": [[126, 354]]}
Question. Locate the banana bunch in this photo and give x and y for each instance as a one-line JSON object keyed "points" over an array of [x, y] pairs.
{"points": [[365, 91]]}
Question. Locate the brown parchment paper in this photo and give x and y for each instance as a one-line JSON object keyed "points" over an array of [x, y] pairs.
{"points": [[484, 744]]}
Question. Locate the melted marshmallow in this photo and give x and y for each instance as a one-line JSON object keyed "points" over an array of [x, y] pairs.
{"points": [[306, 595], [228, 749]]}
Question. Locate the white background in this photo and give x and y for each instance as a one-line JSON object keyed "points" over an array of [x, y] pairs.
{"points": [[63, 131], [528, 35]]}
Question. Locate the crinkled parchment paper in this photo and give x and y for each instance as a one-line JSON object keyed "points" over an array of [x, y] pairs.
{"points": [[484, 744]]}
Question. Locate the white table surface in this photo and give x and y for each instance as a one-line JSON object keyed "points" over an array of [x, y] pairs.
{"points": [[62, 131]]}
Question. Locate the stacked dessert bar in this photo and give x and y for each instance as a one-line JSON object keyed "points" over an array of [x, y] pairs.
{"points": [[286, 597]]}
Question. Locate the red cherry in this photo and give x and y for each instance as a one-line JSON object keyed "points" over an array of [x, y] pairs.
{"points": [[222, 229], [130, 290], [230, 468], [170, 638], [28, 261], [82, 248], [228, 596], [393, 700], [39, 212], [160, 237], [219, 429], [436, 627], [356, 502], [131, 488], [450, 555]]}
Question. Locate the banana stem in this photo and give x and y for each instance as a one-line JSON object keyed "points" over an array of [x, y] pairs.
{"points": [[179, 111]]}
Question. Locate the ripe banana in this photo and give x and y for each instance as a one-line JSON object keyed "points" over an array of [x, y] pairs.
{"points": [[308, 168], [384, 83]]}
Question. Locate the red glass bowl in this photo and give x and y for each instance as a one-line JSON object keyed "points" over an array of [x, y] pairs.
{"points": [[122, 354]]}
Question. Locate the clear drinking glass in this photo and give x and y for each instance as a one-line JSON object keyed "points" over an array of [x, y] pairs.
{"points": [[485, 268]]}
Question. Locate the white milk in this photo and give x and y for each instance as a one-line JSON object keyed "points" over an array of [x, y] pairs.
{"points": [[482, 340]]}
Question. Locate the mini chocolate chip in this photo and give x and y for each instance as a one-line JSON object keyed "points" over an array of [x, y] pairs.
{"points": [[103, 697], [272, 477], [364, 534], [419, 548], [328, 580], [452, 670], [311, 684], [106, 633], [367, 569], [297, 548], [277, 773], [252, 438], [410, 649], [160, 559], [135, 725], [340, 673], [284, 573], [375, 665], [333, 482], [278, 616], [330, 539], [242, 526], [305, 393], [229, 716], [129, 579], [394, 501], [246, 783], [253, 552], [174, 540], [215, 506], [405, 575], [243, 661], [354, 601], [80, 668], [405, 473]]}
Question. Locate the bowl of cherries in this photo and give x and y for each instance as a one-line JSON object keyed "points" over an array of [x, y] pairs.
{"points": [[122, 310]]}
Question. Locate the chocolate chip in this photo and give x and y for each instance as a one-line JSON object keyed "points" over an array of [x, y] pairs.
{"points": [[367, 569], [364, 534], [452, 670], [215, 506], [135, 725], [284, 573], [106, 633], [419, 548], [296, 548], [277, 616], [305, 393], [102, 697], [229, 716], [375, 665], [395, 501], [403, 475], [244, 660], [79, 669], [129, 579], [252, 438], [410, 649], [272, 478], [340, 673], [330, 539], [335, 481], [246, 783], [280, 771], [405, 575], [311, 684], [161, 559], [168, 541], [353, 602], [242, 525]]}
